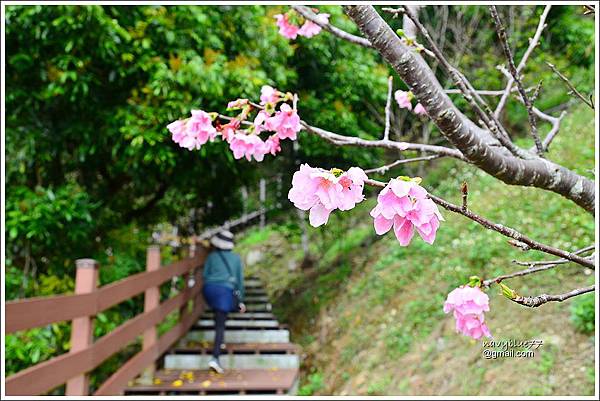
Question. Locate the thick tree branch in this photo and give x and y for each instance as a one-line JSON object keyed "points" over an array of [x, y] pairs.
{"points": [[515, 74], [475, 144], [467, 90], [533, 42]]}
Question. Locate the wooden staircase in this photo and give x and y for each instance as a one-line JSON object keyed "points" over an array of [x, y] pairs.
{"points": [[258, 357]]}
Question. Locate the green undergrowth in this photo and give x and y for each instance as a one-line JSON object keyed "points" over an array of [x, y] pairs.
{"points": [[368, 312]]}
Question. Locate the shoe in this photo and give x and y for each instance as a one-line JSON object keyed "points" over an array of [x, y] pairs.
{"points": [[216, 366]]}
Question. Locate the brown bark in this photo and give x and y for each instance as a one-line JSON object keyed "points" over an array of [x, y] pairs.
{"points": [[475, 143]]}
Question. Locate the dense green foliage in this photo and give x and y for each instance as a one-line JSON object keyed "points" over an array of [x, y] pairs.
{"points": [[90, 90]]}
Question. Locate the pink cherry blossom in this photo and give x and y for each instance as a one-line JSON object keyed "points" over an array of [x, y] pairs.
{"points": [[322, 191], [248, 146], [419, 109], [268, 94], [259, 121], [285, 122], [469, 305], [310, 29], [405, 206], [193, 132], [236, 104], [178, 132], [228, 130], [286, 29], [272, 145], [199, 126], [403, 99]]}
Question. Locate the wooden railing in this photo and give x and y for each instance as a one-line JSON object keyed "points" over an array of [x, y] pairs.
{"points": [[86, 354]]}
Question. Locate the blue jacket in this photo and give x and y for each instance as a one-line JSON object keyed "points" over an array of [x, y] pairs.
{"points": [[216, 272]]}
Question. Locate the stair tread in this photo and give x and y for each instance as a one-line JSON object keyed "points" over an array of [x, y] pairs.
{"points": [[238, 324], [232, 380], [243, 316], [206, 347]]}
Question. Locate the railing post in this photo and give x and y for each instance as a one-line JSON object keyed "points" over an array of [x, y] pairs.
{"points": [[262, 196], [82, 329], [151, 302], [188, 278], [199, 298]]}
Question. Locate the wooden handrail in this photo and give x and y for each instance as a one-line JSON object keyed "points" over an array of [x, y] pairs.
{"points": [[70, 367], [119, 379], [40, 311]]}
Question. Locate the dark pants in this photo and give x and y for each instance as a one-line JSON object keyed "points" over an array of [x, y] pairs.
{"points": [[220, 318]]}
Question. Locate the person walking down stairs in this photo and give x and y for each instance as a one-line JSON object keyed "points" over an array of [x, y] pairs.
{"points": [[223, 287]]}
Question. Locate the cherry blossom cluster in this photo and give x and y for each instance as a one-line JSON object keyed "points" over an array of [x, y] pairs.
{"points": [[322, 191], [404, 204], [289, 29], [404, 100], [468, 305], [202, 127]]}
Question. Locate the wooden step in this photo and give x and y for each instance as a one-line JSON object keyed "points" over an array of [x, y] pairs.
{"points": [[239, 324], [255, 291], [204, 347], [243, 316], [254, 308], [202, 382], [256, 298], [252, 283], [233, 361], [240, 336]]}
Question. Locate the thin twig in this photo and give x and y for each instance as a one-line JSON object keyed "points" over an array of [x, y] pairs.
{"points": [[574, 91], [487, 92], [506, 231], [536, 93], [555, 121], [534, 302], [535, 266], [555, 261], [356, 141], [502, 35], [533, 42], [308, 14], [384, 169], [388, 109], [589, 10]]}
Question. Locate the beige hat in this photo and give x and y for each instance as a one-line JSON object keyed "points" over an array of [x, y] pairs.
{"points": [[222, 240]]}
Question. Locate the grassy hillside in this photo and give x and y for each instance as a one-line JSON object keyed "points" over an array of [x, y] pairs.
{"points": [[368, 312]]}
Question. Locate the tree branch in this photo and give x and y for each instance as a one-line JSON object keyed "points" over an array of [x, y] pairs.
{"points": [[467, 90], [506, 231], [356, 141], [384, 169], [388, 109], [536, 266], [309, 15], [574, 90], [534, 302], [513, 70], [533, 42], [475, 143]]}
